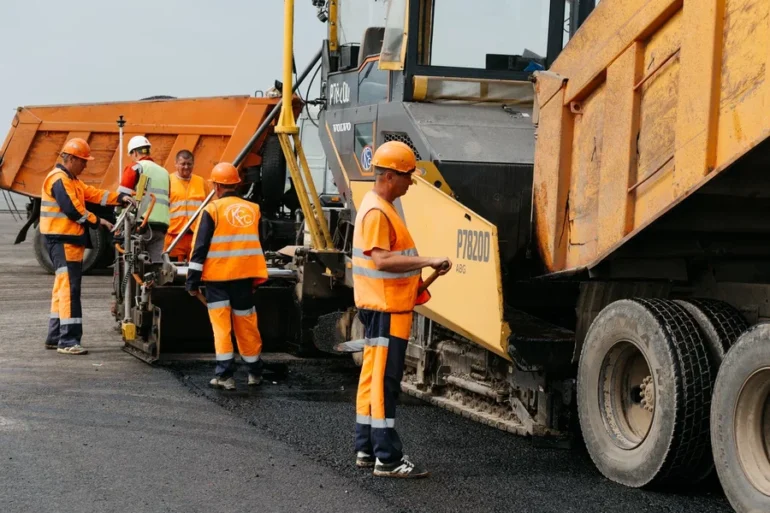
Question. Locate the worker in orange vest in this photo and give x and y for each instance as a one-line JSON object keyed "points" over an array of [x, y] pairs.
{"points": [[187, 194], [64, 221], [227, 259], [386, 280]]}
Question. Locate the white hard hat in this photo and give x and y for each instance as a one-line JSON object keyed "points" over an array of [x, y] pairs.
{"points": [[137, 141]]}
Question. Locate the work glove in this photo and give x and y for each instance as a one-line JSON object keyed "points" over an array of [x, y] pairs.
{"points": [[256, 282]]}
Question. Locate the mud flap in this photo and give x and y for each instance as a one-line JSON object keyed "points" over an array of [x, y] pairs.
{"points": [[34, 215]]}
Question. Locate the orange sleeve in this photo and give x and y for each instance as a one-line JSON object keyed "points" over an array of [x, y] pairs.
{"points": [[101, 196], [376, 232]]}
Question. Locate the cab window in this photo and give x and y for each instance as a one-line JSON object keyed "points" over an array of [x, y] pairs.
{"points": [[372, 84]]}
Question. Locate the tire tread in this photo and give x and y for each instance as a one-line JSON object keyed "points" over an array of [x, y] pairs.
{"points": [[725, 319], [689, 455]]}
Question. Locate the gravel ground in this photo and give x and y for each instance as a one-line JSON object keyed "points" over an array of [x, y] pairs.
{"points": [[474, 467], [106, 432]]}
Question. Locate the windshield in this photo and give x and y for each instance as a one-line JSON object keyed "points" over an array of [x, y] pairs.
{"points": [[462, 36], [356, 16]]}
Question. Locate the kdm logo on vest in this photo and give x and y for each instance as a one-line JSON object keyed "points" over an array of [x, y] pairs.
{"points": [[240, 216]]}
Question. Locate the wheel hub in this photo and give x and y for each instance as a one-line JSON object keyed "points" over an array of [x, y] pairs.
{"points": [[752, 429], [647, 393], [626, 395]]}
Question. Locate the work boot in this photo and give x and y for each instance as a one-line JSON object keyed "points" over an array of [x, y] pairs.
{"points": [[76, 349], [364, 460], [404, 469], [227, 384], [254, 379]]}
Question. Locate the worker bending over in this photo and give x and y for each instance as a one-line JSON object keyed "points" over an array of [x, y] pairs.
{"points": [[386, 279], [139, 151], [187, 194], [227, 258], [64, 222]]}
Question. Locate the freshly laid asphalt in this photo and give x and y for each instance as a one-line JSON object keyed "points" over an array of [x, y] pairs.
{"points": [[107, 432]]}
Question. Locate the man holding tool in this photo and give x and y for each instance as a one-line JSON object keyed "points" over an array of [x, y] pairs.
{"points": [[227, 257], [387, 285], [64, 221]]}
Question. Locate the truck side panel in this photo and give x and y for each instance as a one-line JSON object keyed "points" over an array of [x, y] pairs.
{"points": [[656, 100], [214, 129]]}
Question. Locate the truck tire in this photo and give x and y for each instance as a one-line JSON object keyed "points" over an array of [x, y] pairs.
{"points": [[91, 257], [41, 252], [95, 257], [273, 174], [740, 416], [720, 325], [644, 393]]}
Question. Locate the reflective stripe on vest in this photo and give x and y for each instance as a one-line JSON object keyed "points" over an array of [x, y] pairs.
{"points": [[186, 197], [235, 251], [159, 186], [381, 290], [52, 220]]}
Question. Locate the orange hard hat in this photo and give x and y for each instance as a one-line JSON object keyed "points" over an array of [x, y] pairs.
{"points": [[78, 147], [225, 173], [396, 156]]}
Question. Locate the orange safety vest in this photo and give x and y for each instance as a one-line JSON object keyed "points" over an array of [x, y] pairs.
{"points": [[185, 198], [235, 251], [380, 290], [55, 222]]}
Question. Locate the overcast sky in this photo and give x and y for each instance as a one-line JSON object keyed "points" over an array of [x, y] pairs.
{"points": [[99, 50], [54, 51]]}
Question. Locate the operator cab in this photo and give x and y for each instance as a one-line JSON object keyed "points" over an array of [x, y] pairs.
{"points": [[452, 80]]}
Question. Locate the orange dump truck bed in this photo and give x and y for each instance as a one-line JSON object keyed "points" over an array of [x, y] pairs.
{"points": [[648, 119], [215, 129]]}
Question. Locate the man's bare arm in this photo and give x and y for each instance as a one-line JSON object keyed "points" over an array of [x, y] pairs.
{"points": [[394, 262]]}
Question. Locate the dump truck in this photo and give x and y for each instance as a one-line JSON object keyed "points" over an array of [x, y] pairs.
{"points": [[213, 128], [601, 192]]}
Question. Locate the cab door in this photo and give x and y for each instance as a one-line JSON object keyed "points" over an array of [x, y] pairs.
{"points": [[350, 122]]}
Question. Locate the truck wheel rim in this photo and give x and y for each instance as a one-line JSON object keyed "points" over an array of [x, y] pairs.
{"points": [[752, 429], [626, 395]]}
